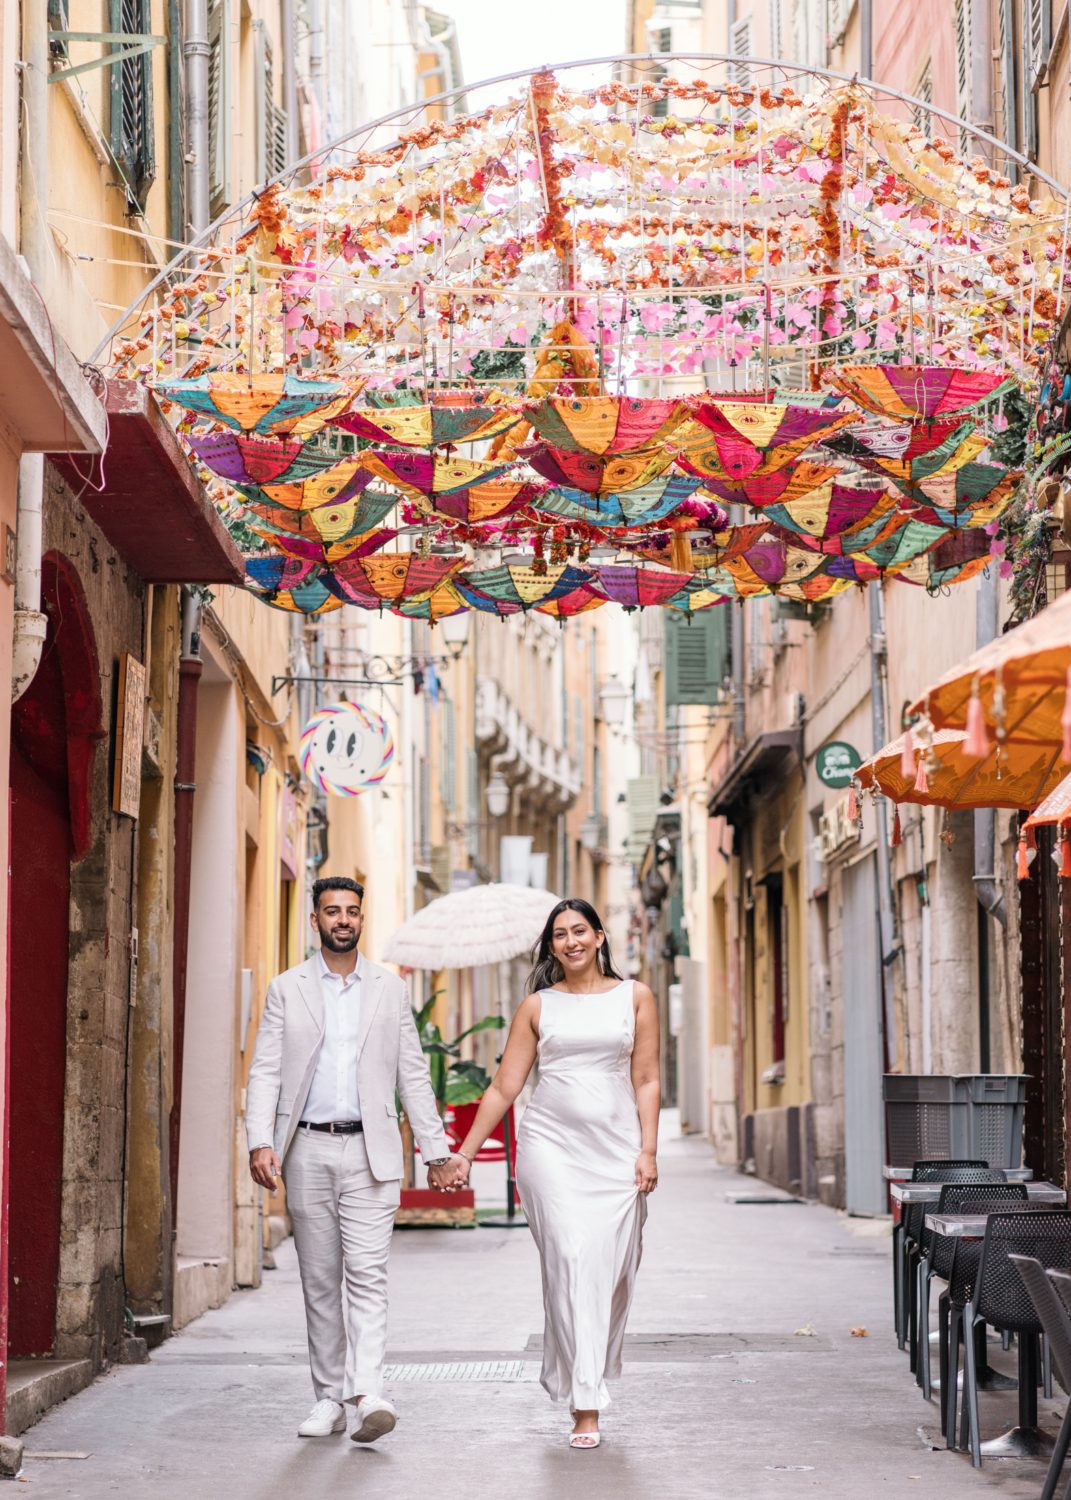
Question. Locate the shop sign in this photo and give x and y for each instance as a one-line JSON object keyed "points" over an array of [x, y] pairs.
{"points": [[836, 763]]}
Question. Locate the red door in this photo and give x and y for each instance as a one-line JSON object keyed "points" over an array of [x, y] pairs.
{"points": [[40, 899]]}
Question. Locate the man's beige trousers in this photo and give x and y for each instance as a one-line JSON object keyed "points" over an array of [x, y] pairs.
{"points": [[343, 1219]]}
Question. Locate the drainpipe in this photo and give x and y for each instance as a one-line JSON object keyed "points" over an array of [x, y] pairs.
{"points": [[190, 668], [290, 103], [315, 12], [985, 818], [886, 904], [736, 641], [196, 51], [33, 189], [30, 624], [866, 38]]}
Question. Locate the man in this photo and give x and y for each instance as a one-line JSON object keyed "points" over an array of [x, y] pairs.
{"points": [[335, 1040]]}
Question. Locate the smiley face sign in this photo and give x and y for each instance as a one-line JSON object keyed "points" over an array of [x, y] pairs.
{"points": [[345, 749]]}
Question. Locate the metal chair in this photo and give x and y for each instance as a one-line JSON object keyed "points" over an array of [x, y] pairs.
{"points": [[912, 1221], [918, 1174], [937, 1251], [1000, 1297], [1053, 1314]]}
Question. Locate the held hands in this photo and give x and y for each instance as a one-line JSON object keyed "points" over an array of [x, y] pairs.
{"points": [[451, 1176], [646, 1172], [264, 1167]]}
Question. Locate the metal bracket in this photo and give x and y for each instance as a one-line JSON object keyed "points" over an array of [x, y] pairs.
{"points": [[278, 683], [144, 43]]}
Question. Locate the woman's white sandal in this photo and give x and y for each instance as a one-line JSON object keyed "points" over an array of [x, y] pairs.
{"points": [[585, 1440]]}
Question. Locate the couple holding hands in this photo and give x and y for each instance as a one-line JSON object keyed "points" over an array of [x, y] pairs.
{"points": [[337, 1038]]}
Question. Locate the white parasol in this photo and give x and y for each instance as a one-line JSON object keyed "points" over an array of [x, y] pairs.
{"points": [[484, 924]]}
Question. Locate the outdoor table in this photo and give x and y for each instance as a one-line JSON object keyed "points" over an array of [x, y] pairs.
{"points": [[903, 1174], [1025, 1440]]}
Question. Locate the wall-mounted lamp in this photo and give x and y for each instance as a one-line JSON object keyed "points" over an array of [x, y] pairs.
{"points": [[497, 795]]}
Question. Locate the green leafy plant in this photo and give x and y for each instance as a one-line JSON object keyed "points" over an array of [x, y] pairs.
{"points": [[459, 1082]]}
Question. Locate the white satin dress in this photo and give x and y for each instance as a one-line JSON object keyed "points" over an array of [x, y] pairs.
{"points": [[576, 1169]]}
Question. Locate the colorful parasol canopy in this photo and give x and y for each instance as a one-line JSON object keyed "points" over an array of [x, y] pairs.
{"points": [[1055, 809], [733, 440], [919, 391], [372, 582], [604, 424], [333, 522], [927, 455], [492, 501], [334, 485], [1029, 773], [294, 404], [242, 458], [981, 492], [441, 602], [643, 506], [424, 474], [470, 418], [599, 476], [1027, 667], [329, 553], [638, 588], [788, 484], [511, 588], [838, 518], [311, 598]]}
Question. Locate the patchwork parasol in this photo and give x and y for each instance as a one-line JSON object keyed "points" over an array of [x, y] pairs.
{"points": [[295, 404], [919, 391], [427, 426], [511, 588], [243, 458], [629, 508], [604, 424], [956, 779], [599, 476]]}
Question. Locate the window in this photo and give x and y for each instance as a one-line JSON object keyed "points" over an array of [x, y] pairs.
{"points": [[578, 731], [131, 104], [697, 655], [923, 91], [219, 106], [740, 47], [447, 756], [1004, 96], [1036, 40], [271, 120]]}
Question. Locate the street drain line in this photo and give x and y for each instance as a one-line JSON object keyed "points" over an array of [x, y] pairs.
{"points": [[496, 1370]]}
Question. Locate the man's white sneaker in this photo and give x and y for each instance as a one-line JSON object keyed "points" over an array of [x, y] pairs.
{"points": [[375, 1418], [325, 1418]]}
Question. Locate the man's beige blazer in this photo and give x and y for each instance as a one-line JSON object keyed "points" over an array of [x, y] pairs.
{"points": [[388, 1057]]}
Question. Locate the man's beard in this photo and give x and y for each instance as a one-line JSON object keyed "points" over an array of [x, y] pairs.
{"points": [[339, 944]]}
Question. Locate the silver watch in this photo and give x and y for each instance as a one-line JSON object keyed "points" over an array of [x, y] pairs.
{"points": [[440, 1161]]}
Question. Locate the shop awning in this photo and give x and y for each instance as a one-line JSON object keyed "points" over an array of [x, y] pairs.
{"points": [[45, 400], [757, 774], [152, 508]]}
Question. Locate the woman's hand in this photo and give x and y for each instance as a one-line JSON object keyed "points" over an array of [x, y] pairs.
{"points": [[646, 1172]]}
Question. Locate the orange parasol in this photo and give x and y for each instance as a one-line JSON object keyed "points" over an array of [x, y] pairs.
{"points": [[1018, 681], [955, 779]]}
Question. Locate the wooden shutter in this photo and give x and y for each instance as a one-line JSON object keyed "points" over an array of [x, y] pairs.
{"points": [[131, 131], [740, 47], [642, 798], [219, 107], [448, 757], [697, 652], [962, 31]]}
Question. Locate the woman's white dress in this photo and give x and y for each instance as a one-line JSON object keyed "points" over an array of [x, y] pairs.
{"points": [[576, 1170]]}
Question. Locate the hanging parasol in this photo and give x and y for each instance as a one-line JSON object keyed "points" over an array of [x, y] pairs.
{"points": [[919, 391], [310, 598], [441, 602], [927, 453], [466, 420], [294, 404], [329, 553], [333, 486], [953, 778], [643, 506], [1020, 680], [485, 924], [604, 424], [374, 582], [511, 588], [599, 476], [479, 503], [420, 475], [243, 458], [333, 522]]}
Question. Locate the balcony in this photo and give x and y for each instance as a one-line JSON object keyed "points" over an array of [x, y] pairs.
{"points": [[546, 776]]}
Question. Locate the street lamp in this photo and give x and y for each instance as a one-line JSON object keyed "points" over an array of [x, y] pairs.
{"points": [[455, 628], [613, 699], [497, 795]]}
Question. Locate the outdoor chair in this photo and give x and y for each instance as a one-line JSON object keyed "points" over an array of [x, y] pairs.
{"points": [[999, 1297], [919, 1172], [937, 1251], [911, 1222], [1056, 1322]]}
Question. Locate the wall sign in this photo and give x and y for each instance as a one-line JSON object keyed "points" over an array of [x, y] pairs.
{"points": [[345, 749], [836, 763], [129, 736]]}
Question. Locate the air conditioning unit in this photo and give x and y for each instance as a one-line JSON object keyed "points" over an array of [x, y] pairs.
{"points": [[797, 707]]}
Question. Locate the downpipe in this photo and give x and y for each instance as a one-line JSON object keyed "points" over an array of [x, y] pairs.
{"points": [[31, 625], [985, 818]]}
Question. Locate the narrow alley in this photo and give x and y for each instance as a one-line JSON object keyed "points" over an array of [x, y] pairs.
{"points": [[720, 1396]]}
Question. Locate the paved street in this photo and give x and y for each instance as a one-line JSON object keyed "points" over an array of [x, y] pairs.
{"points": [[720, 1398]]}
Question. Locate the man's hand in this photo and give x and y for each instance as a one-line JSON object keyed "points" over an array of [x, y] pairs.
{"points": [[264, 1167], [453, 1174]]}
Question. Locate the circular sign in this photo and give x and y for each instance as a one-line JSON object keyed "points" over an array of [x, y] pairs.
{"points": [[836, 763], [345, 749]]}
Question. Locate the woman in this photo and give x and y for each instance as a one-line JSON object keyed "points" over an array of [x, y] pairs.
{"points": [[585, 1149]]}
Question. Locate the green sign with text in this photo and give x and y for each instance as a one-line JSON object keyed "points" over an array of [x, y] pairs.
{"points": [[836, 763]]}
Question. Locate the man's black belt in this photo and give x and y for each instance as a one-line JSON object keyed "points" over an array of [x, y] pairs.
{"points": [[333, 1127]]}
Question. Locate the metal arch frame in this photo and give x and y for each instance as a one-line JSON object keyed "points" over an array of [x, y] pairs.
{"points": [[658, 59]]}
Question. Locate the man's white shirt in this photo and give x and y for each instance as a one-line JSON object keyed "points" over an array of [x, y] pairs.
{"points": [[333, 1092]]}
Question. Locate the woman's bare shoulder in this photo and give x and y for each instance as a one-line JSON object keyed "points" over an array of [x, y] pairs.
{"points": [[529, 1008], [642, 995]]}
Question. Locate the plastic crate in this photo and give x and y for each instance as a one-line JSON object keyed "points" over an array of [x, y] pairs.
{"points": [[959, 1116]]}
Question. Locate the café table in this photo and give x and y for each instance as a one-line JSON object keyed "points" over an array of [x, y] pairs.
{"points": [[903, 1174], [1025, 1440]]}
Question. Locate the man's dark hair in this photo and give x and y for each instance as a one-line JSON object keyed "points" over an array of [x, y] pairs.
{"points": [[338, 883]]}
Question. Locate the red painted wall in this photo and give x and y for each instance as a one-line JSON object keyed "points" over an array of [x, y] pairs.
{"points": [[40, 896]]}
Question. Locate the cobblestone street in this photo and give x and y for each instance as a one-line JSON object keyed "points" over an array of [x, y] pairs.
{"points": [[720, 1396]]}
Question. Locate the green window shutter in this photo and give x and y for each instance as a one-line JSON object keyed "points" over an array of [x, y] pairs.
{"points": [[447, 757], [697, 655], [642, 799], [132, 141]]}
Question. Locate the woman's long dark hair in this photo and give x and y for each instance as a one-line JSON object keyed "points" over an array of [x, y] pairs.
{"points": [[546, 970]]}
